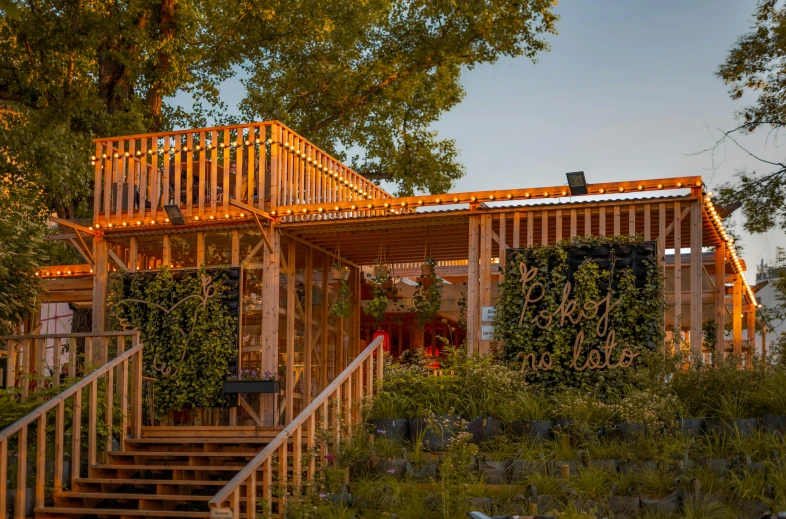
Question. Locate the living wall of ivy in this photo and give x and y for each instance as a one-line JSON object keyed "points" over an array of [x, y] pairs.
{"points": [[188, 332], [634, 318]]}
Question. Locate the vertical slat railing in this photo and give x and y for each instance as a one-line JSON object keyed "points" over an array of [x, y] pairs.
{"points": [[287, 447], [30, 435], [128, 168]]}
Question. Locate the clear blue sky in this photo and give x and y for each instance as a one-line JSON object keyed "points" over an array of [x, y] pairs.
{"points": [[627, 91]]}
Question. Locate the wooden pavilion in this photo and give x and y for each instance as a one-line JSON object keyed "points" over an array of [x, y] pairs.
{"points": [[262, 198]]}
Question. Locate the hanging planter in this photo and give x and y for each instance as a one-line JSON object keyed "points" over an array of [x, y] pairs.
{"points": [[427, 300]]}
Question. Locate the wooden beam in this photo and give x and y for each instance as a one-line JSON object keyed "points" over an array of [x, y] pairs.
{"points": [[478, 197], [262, 232], [87, 257], [113, 256], [73, 225], [251, 210], [320, 249]]}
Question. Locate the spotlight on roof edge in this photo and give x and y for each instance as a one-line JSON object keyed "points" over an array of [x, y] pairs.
{"points": [[577, 183], [175, 214]]}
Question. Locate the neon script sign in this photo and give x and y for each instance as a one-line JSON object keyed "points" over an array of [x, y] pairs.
{"points": [[570, 311]]}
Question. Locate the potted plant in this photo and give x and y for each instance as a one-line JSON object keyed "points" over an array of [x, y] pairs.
{"points": [[428, 297], [387, 416], [252, 381], [378, 306], [343, 305]]}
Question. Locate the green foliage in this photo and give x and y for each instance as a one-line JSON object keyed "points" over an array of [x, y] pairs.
{"points": [[84, 70], [428, 297], [22, 249], [343, 305], [636, 316], [188, 334]]}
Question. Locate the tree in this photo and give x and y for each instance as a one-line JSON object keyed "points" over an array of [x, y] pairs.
{"points": [[369, 76], [757, 65]]}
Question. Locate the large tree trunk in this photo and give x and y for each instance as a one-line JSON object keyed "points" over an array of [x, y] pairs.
{"points": [[155, 96]]}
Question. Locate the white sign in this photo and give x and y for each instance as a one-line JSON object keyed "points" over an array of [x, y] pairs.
{"points": [[488, 313], [221, 513], [486, 333]]}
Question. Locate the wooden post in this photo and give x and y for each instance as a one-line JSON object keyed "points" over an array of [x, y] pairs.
{"points": [[485, 276], [473, 285], [100, 282], [677, 268], [751, 329], [530, 228], [200, 251], [720, 298], [309, 327], [270, 319], [167, 254], [617, 221], [290, 381], [736, 314], [696, 274], [516, 229], [601, 221], [133, 254], [558, 225], [503, 237], [544, 228], [587, 221]]}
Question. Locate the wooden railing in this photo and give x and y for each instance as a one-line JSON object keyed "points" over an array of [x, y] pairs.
{"points": [[116, 383], [337, 410], [27, 364], [263, 165]]}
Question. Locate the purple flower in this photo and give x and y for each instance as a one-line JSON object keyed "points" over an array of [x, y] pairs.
{"points": [[391, 471], [330, 457], [380, 431], [322, 496]]}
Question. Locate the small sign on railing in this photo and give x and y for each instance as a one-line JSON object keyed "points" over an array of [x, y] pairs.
{"points": [[220, 513]]}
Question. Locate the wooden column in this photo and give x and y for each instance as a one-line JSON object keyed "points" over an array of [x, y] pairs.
{"points": [[601, 221], [516, 229], [720, 298], [200, 252], [503, 245], [133, 254], [751, 329], [587, 221], [100, 282], [677, 266], [270, 319], [544, 228], [696, 274], [530, 228], [309, 327], [484, 298], [473, 286], [736, 314], [167, 257], [290, 379]]}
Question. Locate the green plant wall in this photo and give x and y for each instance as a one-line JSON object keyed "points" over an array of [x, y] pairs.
{"points": [[633, 323], [188, 333]]}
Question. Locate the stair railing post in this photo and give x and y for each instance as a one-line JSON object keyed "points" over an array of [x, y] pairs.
{"points": [[76, 435], [4, 474], [40, 461], [21, 474], [137, 396], [251, 496], [380, 367], [92, 423], [59, 446]]}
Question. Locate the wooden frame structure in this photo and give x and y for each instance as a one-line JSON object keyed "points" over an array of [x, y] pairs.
{"points": [[261, 197]]}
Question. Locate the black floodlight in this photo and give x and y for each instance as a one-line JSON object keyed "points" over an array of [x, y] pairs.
{"points": [[175, 214], [577, 183]]}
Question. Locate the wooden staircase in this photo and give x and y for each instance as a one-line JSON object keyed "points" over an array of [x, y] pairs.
{"points": [[169, 472]]}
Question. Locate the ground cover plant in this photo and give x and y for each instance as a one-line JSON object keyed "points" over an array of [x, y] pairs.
{"points": [[623, 453]]}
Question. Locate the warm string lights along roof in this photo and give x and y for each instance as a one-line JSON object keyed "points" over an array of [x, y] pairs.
{"points": [[64, 271], [717, 223], [135, 222], [337, 174]]}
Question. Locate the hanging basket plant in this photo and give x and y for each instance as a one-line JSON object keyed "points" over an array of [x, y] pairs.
{"points": [[378, 306], [427, 300], [343, 305]]}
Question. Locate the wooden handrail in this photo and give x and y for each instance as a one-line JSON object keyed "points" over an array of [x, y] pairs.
{"points": [[125, 333], [51, 404], [27, 354], [118, 387], [279, 443]]}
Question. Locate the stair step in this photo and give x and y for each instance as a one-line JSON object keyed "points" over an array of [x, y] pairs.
{"points": [[209, 432], [182, 454], [135, 466], [188, 440], [142, 482], [61, 510], [122, 496]]}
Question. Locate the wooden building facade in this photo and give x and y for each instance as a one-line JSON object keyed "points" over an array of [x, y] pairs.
{"points": [[261, 197]]}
